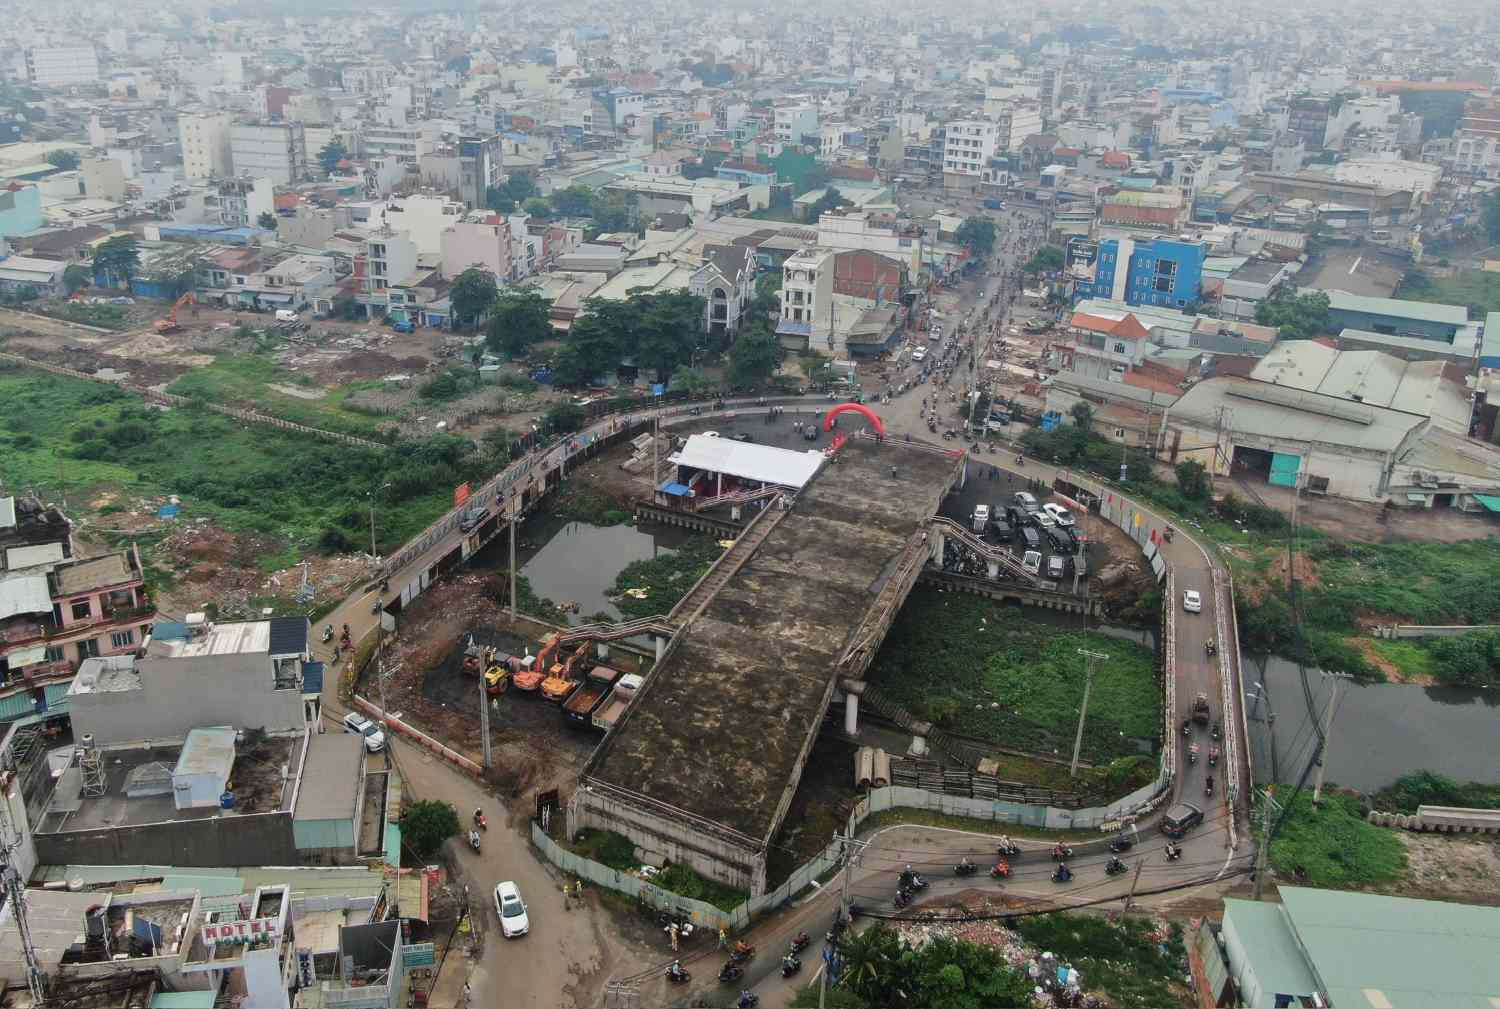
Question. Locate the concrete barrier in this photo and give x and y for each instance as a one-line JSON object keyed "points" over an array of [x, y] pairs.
{"points": [[421, 738], [1441, 820]]}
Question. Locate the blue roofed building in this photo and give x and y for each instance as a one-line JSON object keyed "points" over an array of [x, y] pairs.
{"points": [[1160, 271]]}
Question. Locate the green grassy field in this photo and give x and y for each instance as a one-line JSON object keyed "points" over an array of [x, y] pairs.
{"points": [[1332, 844], [245, 380], [998, 673], [57, 432], [1476, 290]]}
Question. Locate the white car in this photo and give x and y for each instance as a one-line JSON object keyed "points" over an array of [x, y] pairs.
{"points": [[981, 519], [1191, 601], [361, 726], [920, 354], [1059, 514], [709, 434], [511, 910], [1032, 562]]}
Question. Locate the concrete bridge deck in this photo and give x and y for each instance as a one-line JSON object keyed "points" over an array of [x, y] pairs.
{"points": [[718, 737]]}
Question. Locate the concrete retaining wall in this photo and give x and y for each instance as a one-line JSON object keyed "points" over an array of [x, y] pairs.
{"points": [[1442, 820], [421, 738], [662, 840]]}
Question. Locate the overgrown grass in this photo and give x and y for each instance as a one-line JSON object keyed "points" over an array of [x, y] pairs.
{"points": [[1476, 290], [1409, 791], [1409, 657], [607, 848], [249, 478], [684, 882], [665, 578], [245, 380], [1332, 845], [988, 671], [1420, 583], [1135, 965]]}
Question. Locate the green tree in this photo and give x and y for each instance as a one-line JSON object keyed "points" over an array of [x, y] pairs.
{"points": [[831, 200], [670, 326], [518, 318], [610, 211], [693, 381], [537, 207], [496, 199], [945, 974], [118, 258], [472, 294], [871, 964], [755, 355], [1298, 316], [574, 201], [1083, 416], [266, 221], [977, 234], [1192, 479], [521, 187], [426, 824], [76, 277], [565, 417], [1047, 259], [66, 160], [1492, 217], [332, 153]]}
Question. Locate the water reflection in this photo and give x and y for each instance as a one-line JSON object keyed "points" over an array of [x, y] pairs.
{"points": [[1381, 730]]}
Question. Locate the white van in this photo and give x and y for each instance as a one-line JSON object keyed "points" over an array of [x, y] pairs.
{"points": [[285, 315]]}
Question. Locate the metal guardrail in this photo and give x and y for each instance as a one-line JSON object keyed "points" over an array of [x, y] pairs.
{"points": [[973, 543]]}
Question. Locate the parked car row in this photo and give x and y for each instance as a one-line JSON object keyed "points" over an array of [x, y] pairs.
{"points": [[1047, 536]]}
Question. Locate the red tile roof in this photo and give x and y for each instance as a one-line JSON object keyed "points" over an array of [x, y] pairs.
{"points": [[1128, 326], [1116, 159]]}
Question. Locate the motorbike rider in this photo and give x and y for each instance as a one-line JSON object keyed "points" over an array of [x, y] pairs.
{"points": [[1063, 872], [1174, 850], [746, 999], [742, 948], [965, 864], [789, 962], [1060, 850], [676, 969], [1115, 864]]}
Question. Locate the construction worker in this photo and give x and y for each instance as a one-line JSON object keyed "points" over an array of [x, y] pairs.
{"points": [[723, 938]]}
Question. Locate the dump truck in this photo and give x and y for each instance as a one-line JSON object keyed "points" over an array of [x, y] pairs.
{"points": [[1200, 709], [618, 700], [586, 699]]}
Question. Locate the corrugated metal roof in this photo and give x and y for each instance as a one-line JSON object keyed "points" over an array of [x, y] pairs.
{"points": [[1368, 947], [288, 636], [1261, 932], [184, 1000], [1452, 315], [207, 751], [25, 593]]}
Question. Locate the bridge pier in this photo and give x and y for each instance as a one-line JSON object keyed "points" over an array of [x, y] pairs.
{"points": [[935, 541], [852, 689], [992, 568], [661, 646], [919, 731], [602, 648]]}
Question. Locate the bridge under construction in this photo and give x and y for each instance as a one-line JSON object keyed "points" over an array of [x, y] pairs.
{"points": [[702, 767]]}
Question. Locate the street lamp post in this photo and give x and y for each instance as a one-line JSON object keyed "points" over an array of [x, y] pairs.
{"points": [[1088, 686], [370, 496]]}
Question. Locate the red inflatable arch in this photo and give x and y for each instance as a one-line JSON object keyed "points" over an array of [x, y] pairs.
{"points": [[857, 408]]}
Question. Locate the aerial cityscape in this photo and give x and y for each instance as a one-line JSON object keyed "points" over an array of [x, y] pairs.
{"points": [[652, 504]]}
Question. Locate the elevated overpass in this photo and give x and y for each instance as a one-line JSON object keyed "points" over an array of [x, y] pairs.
{"points": [[703, 766]]}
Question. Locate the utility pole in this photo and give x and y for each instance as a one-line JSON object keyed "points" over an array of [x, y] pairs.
{"points": [[1264, 853], [512, 564], [849, 853], [1083, 710], [1134, 881], [484, 724], [1333, 697]]}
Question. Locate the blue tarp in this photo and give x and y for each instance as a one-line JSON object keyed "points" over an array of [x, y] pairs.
{"points": [[168, 511], [676, 489], [169, 630]]}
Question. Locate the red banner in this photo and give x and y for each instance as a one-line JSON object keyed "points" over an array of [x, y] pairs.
{"points": [[460, 494]]}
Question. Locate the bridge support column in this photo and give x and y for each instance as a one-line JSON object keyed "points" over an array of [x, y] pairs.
{"points": [[919, 732], [734, 512], [661, 646], [935, 541], [602, 648], [992, 568], [851, 714]]}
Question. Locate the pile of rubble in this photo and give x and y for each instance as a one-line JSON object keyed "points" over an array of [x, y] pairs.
{"points": [[1055, 983]]}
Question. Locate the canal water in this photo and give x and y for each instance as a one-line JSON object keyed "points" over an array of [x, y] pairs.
{"points": [[1380, 731], [578, 562]]}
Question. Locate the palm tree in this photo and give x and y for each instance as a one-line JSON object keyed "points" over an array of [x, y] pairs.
{"points": [[867, 958]]}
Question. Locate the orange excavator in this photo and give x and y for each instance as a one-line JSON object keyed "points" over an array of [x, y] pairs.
{"points": [[559, 682], [169, 324], [529, 679]]}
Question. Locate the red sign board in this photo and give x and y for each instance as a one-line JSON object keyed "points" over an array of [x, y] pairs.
{"points": [[460, 494]]}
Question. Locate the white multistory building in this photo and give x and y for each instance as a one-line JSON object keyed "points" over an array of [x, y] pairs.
{"points": [[62, 66], [206, 151], [968, 147], [275, 151]]}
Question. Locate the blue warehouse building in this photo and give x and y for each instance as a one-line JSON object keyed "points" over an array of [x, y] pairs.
{"points": [[1160, 272]]}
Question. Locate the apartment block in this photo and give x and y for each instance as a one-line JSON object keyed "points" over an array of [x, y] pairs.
{"points": [[968, 146], [206, 148], [275, 151], [62, 67]]}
